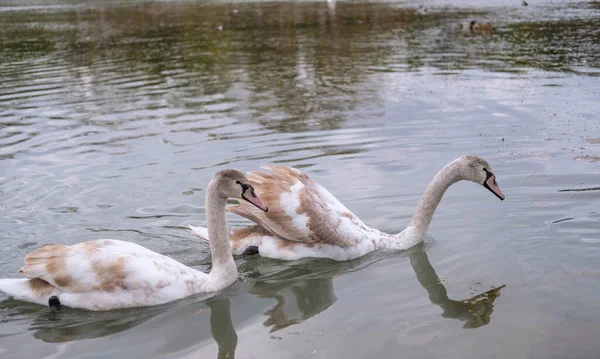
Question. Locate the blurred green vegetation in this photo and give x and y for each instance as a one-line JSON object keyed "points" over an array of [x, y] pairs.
{"points": [[310, 57]]}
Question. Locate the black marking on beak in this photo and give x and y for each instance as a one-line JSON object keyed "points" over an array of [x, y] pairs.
{"points": [[245, 188], [251, 193], [485, 184]]}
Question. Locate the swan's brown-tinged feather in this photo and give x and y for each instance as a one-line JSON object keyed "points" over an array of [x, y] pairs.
{"points": [[40, 286], [111, 276], [245, 232], [321, 223], [49, 265], [240, 237]]}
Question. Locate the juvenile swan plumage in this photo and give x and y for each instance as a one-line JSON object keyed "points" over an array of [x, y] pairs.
{"points": [[305, 220], [107, 274]]}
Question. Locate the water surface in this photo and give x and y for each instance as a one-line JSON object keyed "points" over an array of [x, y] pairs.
{"points": [[115, 115]]}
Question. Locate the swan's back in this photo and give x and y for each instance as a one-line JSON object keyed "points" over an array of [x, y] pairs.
{"points": [[300, 210], [103, 274]]}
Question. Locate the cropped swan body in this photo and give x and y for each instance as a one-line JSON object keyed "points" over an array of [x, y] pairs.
{"points": [[107, 274], [306, 220]]}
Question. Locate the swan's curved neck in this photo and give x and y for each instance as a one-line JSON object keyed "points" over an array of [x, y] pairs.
{"points": [[448, 175], [223, 266]]}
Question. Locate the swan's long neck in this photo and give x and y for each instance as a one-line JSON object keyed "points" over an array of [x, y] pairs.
{"points": [[223, 266], [448, 175]]}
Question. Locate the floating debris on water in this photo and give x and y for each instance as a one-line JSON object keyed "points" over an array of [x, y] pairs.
{"points": [[591, 158], [579, 189]]}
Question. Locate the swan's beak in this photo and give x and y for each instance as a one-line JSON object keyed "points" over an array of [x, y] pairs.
{"points": [[251, 197], [492, 185]]}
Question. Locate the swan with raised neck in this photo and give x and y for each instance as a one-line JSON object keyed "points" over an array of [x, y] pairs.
{"points": [[226, 184], [306, 220], [107, 273]]}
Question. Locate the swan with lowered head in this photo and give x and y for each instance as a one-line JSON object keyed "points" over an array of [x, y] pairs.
{"points": [[107, 274], [305, 220]]}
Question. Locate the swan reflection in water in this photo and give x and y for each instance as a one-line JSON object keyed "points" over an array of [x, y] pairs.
{"points": [[475, 311], [301, 290], [59, 326], [221, 327], [180, 325], [300, 299]]}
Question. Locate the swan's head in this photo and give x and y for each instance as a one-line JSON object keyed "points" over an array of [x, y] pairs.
{"points": [[479, 171], [234, 184]]}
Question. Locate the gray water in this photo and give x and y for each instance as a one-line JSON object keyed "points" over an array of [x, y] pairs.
{"points": [[115, 115]]}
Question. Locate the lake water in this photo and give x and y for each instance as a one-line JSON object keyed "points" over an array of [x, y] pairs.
{"points": [[115, 115]]}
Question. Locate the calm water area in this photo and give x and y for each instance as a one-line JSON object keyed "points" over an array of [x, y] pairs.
{"points": [[114, 115]]}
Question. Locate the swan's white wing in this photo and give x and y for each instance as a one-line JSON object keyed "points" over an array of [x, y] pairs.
{"points": [[109, 267], [300, 210]]}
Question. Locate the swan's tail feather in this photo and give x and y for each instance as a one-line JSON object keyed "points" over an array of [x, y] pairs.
{"points": [[30, 290], [38, 261], [201, 232]]}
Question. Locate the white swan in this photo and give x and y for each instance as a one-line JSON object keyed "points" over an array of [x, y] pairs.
{"points": [[107, 274], [305, 220]]}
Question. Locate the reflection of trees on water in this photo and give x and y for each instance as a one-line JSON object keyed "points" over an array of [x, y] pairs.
{"points": [[561, 45], [221, 38], [298, 66]]}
